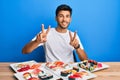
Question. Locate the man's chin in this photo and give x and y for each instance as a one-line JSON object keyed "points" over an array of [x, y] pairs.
{"points": [[64, 27]]}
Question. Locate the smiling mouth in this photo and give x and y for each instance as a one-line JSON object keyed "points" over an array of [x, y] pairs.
{"points": [[64, 23]]}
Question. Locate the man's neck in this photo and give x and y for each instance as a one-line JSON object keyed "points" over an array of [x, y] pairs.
{"points": [[60, 30]]}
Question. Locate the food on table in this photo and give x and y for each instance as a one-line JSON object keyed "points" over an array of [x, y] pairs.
{"points": [[74, 77], [76, 68], [36, 71], [45, 76], [37, 74], [89, 65], [26, 66], [23, 67], [35, 66], [69, 71], [78, 75], [56, 65], [28, 76]]}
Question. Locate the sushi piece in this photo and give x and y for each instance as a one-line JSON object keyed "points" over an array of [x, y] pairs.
{"points": [[99, 65], [65, 73], [45, 76], [23, 68], [91, 68], [75, 77], [33, 78], [27, 75], [49, 76], [76, 68]]}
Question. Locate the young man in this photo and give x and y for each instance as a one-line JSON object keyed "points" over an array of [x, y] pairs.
{"points": [[58, 42]]}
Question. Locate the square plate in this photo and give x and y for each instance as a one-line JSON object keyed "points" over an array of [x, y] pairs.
{"points": [[99, 66], [104, 66], [20, 76], [57, 71], [17, 66]]}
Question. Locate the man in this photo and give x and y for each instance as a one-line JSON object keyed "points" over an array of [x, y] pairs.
{"points": [[58, 42]]}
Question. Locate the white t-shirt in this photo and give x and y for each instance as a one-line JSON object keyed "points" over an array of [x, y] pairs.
{"points": [[57, 46]]}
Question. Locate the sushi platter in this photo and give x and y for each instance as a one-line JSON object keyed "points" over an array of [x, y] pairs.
{"points": [[36, 74], [91, 65], [58, 70], [24, 66]]}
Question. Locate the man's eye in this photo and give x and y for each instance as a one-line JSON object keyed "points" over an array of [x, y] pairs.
{"points": [[60, 16], [68, 16]]}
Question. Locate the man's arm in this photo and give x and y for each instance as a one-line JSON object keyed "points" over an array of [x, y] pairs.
{"points": [[81, 54], [30, 47], [40, 38], [75, 43]]}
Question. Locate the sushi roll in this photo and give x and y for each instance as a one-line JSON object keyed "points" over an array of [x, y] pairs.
{"points": [[49, 76], [76, 68], [41, 73], [81, 65], [27, 75], [65, 73], [45, 76], [91, 68]]}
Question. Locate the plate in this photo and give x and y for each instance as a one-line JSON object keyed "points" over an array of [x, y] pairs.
{"points": [[71, 71], [57, 65], [24, 66], [104, 66], [34, 74], [91, 65]]}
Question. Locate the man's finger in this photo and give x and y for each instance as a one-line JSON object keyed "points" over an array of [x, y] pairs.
{"points": [[74, 35], [42, 28], [48, 29], [70, 36], [41, 37]]}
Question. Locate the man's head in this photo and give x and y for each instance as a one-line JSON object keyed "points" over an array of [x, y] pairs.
{"points": [[65, 8], [63, 16]]}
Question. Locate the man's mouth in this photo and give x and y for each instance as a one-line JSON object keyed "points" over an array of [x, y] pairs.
{"points": [[64, 23]]}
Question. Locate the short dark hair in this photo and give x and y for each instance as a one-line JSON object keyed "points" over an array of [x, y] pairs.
{"points": [[65, 8]]}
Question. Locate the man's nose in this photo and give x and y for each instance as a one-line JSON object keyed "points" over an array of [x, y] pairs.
{"points": [[64, 18]]}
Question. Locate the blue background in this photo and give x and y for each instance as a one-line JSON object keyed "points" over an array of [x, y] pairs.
{"points": [[96, 21]]}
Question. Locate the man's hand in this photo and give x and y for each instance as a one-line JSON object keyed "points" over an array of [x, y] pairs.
{"points": [[42, 37], [73, 41]]}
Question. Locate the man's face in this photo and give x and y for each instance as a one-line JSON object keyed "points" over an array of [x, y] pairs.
{"points": [[63, 18]]}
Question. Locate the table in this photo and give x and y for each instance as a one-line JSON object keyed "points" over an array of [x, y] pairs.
{"points": [[112, 73]]}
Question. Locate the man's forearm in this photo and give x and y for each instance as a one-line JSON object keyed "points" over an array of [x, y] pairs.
{"points": [[30, 47], [81, 53]]}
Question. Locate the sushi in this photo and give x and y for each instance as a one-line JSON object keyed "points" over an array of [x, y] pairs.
{"points": [[89, 65], [76, 68], [75, 77], [45, 76]]}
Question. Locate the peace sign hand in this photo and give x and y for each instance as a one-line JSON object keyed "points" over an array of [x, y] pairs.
{"points": [[42, 37], [73, 41]]}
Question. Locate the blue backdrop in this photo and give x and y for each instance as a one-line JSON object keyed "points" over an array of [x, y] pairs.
{"points": [[96, 21]]}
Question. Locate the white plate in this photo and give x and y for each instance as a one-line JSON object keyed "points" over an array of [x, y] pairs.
{"points": [[19, 76], [14, 65], [104, 66], [58, 73]]}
